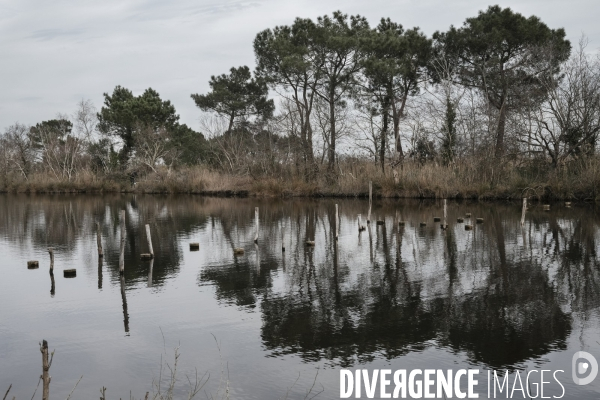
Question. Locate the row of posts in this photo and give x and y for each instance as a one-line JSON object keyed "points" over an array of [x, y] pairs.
{"points": [[150, 255]]}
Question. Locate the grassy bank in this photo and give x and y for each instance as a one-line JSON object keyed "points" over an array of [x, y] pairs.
{"points": [[473, 181]]}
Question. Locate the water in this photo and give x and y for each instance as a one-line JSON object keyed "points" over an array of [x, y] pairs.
{"points": [[268, 324]]}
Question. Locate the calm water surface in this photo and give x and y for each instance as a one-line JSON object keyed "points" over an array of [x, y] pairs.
{"points": [[501, 296]]}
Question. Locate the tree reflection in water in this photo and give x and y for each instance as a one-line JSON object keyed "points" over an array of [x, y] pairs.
{"points": [[481, 292], [502, 293]]}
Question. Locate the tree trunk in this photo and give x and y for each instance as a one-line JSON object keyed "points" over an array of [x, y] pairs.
{"points": [[398, 153], [384, 132], [231, 119], [307, 150], [500, 130], [304, 108], [331, 166]]}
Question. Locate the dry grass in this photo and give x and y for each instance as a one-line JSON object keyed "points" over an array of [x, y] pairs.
{"points": [[478, 179]]}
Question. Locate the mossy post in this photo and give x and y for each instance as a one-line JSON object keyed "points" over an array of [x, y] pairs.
{"points": [[370, 201], [256, 223], [122, 250], [524, 210]]}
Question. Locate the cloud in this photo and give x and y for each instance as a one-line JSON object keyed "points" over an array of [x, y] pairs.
{"points": [[54, 53], [49, 34]]}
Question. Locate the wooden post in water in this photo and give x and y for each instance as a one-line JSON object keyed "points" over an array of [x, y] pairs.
{"points": [[122, 252], [149, 241], [125, 312], [336, 222], [445, 214], [360, 227], [524, 210], [256, 223], [52, 284], [370, 201], [99, 272], [150, 272], [46, 378], [98, 240], [51, 251], [282, 238], [257, 257]]}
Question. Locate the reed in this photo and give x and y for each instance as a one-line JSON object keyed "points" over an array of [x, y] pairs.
{"points": [[474, 179]]}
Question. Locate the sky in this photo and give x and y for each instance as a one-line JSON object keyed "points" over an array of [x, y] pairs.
{"points": [[55, 53]]}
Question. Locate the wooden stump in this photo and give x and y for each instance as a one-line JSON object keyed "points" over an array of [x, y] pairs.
{"points": [[70, 273], [468, 215], [33, 264], [436, 219], [194, 246], [480, 220], [468, 227], [146, 256], [423, 224], [238, 251], [546, 207], [401, 223], [310, 243], [459, 220]]}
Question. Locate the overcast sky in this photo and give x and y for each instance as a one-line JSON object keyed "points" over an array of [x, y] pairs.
{"points": [[54, 53]]}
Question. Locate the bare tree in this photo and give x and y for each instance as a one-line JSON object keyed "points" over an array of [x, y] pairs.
{"points": [[367, 129], [85, 119], [19, 151], [322, 121], [60, 151], [567, 124], [153, 147]]}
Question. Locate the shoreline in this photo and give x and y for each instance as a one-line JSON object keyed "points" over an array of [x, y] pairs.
{"points": [[414, 182], [250, 193]]}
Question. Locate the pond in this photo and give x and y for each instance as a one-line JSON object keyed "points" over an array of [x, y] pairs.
{"points": [[268, 323]]}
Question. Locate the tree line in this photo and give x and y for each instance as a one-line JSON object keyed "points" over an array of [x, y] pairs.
{"points": [[501, 91]]}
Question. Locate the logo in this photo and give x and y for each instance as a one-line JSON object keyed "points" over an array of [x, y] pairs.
{"points": [[580, 368]]}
